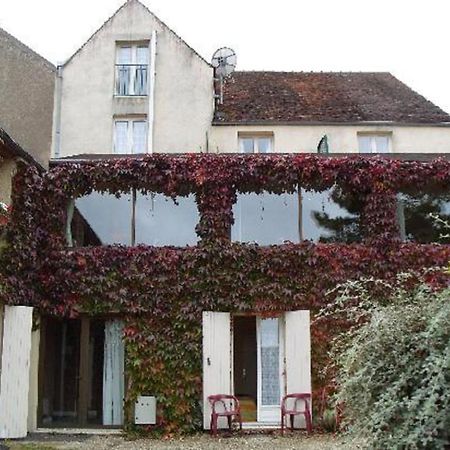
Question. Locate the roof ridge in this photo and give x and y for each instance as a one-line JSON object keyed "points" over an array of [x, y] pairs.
{"points": [[27, 50]]}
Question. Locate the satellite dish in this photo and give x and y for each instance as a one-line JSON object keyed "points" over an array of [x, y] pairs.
{"points": [[224, 61]]}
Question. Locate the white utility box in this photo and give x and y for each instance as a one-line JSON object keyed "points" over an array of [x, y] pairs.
{"points": [[145, 410]]}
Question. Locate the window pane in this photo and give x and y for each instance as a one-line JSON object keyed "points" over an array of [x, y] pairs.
{"points": [[382, 144], [121, 137], [415, 219], [270, 362], [330, 216], [123, 77], [265, 218], [365, 144], [159, 221], [124, 55], [139, 137], [247, 145], [140, 80], [105, 220], [142, 55], [264, 145]]}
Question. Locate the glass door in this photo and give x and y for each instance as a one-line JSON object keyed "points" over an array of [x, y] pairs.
{"points": [[270, 368]]}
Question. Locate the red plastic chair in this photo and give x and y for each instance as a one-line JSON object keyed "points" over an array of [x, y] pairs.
{"points": [[302, 399], [229, 407]]}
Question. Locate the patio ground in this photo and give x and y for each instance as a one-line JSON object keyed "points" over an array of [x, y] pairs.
{"points": [[296, 441]]}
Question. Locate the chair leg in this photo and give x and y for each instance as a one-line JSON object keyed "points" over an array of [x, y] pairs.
{"points": [[282, 424], [229, 422], [308, 421], [240, 422], [214, 425], [292, 422]]}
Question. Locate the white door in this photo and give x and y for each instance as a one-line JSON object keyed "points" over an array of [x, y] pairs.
{"points": [[298, 355], [270, 368], [216, 360]]}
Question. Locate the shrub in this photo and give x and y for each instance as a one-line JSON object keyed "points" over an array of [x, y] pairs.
{"points": [[393, 370]]}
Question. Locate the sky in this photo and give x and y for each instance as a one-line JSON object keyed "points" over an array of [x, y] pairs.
{"points": [[409, 38]]}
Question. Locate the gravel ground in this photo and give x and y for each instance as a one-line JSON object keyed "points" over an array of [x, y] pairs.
{"points": [[200, 442]]}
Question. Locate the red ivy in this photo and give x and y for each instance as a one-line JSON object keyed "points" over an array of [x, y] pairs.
{"points": [[163, 291]]}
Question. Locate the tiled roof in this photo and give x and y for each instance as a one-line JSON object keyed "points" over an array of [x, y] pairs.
{"points": [[261, 97]]}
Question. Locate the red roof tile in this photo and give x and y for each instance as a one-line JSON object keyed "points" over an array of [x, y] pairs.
{"points": [[255, 97]]}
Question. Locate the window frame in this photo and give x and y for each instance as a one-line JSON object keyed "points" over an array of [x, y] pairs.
{"points": [[130, 120], [373, 136], [134, 51]]}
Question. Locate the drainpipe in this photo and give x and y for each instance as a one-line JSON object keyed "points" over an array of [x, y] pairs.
{"points": [[56, 138]]}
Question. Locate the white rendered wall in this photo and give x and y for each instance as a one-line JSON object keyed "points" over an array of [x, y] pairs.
{"points": [[341, 138], [183, 92]]}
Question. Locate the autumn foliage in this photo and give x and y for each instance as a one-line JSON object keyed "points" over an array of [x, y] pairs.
{"points": [[161, 292]]}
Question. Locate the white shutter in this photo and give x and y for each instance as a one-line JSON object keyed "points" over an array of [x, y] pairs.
{"points": [[216, 359], [15, 371], [298, 354]]}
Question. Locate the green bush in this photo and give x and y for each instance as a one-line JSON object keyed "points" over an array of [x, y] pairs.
{"points": [[393, 370]]}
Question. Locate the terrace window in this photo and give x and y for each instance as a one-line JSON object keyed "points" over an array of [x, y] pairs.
{"points": [[132, 70], [271, 219], [422, 217], [266, 218], [132, 219]]}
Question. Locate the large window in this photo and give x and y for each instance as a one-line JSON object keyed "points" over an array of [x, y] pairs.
{"points": [[130, 135], [268, 219], [374, 143], [330, 216], [422, 218], [132, 69], [133, 219]]}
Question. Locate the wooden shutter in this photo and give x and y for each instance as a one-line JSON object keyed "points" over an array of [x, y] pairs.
{"points": [[298, 354], [216, 359], [15, 371]]}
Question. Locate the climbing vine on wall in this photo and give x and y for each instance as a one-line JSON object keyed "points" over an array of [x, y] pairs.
{"points": [[161, 292]]}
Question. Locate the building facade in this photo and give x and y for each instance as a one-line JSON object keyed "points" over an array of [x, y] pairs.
{"points": [[212, 293]]}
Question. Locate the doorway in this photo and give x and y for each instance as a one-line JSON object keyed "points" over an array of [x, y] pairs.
{"points": [[258, 375], [80, 373]]}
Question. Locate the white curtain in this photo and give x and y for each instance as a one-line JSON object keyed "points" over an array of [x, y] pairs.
{"points": [[113, 374]]}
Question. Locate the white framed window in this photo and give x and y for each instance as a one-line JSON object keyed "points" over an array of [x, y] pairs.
{"points": [[256, 143], [375, 143], [132, 69], [130, 135]]}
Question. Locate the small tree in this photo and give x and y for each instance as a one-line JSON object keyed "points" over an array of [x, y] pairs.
{"points": [[393, 368]]}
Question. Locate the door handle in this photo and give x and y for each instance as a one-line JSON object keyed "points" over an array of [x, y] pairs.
{"points": [[208, 361]]}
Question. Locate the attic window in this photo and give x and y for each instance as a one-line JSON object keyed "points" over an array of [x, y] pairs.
{"points": [[132, 69]]}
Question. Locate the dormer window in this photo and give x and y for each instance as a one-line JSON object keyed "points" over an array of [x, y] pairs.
{"points": [[132, 69]]}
